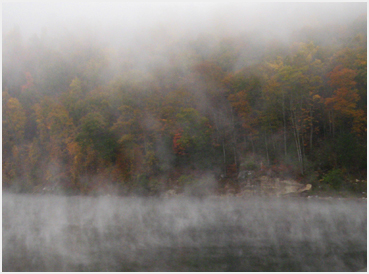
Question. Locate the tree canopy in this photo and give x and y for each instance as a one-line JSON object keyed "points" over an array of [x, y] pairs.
{"points": [[79, 109]]}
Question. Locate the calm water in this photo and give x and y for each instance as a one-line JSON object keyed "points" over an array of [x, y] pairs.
{"points": [[57, 233]]}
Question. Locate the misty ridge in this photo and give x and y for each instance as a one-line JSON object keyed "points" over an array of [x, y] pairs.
{"points": [[149, 98]]}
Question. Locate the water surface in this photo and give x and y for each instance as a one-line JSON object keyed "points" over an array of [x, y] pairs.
{"points": [[60, 233]]}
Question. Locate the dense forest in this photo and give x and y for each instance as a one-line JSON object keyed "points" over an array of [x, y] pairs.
{"points": [[81, 115]]}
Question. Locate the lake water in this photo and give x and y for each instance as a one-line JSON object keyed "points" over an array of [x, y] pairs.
{"points": [[60, 233]]}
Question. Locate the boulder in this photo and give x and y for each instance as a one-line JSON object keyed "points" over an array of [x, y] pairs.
{"points": [[276, 187]]}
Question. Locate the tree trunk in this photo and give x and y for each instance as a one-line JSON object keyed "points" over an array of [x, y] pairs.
{"points": [[266, 147], [333, 129], [216, 126], [311, 130], [252, 144], [271, 138], [224, 158], [296, 133], [284, 127], [234, 138], [145, 144]]}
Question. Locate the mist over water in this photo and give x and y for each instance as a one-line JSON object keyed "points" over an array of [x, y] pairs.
{"points": [[172, 63], [71, 233]]}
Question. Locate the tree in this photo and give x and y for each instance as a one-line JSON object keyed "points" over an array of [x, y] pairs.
{"points": [[343, 103], [56, 134], [192, 142], [14, 120], [95, 133], [300, 82]]}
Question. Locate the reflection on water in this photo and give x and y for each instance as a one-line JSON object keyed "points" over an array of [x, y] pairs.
{"points": [[55, 233]]}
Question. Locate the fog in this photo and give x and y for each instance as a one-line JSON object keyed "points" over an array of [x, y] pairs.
{"points": [[115, 21], [96, 95], [131, 24], [56, 233], [148, 31]]}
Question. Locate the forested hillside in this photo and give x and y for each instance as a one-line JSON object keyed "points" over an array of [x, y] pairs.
{"points": [[82, 115]]}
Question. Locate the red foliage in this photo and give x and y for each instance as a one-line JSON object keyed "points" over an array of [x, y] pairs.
{"points": [[177, 146]]}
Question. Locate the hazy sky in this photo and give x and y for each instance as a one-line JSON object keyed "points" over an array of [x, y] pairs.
{"points": [[187, 17]]}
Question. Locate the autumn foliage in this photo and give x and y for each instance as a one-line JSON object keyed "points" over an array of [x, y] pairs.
{"points": [[84, 118]]}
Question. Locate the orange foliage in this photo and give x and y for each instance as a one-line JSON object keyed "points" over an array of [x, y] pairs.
{"points": [[342, 77], [345, 97], [177, 146]]}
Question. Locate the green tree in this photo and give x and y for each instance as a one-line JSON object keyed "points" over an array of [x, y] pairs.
{"points": [[95, 133], [14, 120], [192, 141]]}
